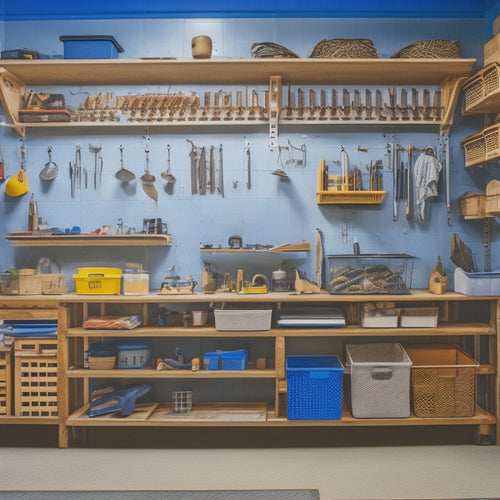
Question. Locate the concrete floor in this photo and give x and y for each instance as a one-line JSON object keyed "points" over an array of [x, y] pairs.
{"points": [[386, 472]]}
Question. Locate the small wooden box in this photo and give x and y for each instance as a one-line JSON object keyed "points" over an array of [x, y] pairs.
{"points": [[29, 282], [35, 377]]}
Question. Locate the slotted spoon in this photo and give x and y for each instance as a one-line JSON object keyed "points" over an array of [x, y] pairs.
{"points": [[166, 174]]}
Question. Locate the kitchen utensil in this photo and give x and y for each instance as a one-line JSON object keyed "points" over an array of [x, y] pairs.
{"points": [[148, 179], [50, 170], [193, 157], [220, 184], [167, 175], [123, 174], [211, 170], [95, 148], [17, 185], [2, 173]]}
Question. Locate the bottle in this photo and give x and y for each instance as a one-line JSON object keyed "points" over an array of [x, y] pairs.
{"points": [[33, 214], [355, 247]]}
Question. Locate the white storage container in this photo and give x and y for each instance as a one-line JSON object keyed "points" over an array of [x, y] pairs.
{"points": [[244, 320], [380, 380], [477, 284], [381, 319], [419, 317]]}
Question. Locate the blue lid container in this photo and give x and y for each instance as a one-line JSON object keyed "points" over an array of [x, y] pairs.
{"points": [[90, 47]]}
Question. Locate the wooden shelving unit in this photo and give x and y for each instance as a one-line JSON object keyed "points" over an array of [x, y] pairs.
{"points": [[449, 74], [73, 339]]}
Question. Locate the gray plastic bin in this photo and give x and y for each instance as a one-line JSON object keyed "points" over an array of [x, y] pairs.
{"points": [[380, 380]]}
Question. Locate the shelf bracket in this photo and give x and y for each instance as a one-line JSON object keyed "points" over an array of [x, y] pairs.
{"points": [[274, 106], [11, 90], [450, 90]]}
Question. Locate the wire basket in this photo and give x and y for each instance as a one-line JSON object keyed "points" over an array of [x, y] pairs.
{"points": [[339, 48], [430, 49]]}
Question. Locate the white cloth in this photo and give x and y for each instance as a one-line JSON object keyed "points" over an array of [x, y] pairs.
{"points": [[427, 170]]}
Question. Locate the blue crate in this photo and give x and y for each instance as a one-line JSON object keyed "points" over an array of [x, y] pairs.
{"points": [[314, 387], [225, 360], [90, 47]]}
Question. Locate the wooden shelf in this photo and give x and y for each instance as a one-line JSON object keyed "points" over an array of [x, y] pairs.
{"points": [[79, 240], [286, 248], [236, 71], [449, 74], [451, 329], [237, 414], [148, 373]]}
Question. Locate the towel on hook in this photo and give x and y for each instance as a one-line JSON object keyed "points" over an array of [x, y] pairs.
{"points": [[427, 170]]}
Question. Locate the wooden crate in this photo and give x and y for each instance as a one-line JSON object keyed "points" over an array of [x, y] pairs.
{"points": [[30, 284], [472, 205], [5, 381], [35, 377]]}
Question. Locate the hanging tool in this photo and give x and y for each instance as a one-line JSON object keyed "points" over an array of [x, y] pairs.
{"points": [[220, 184], [78, 169], [2, 172], [123, 174], [249, 179], [72, 179], [211, 170], [167, 175], [202, 171], [50, 170], [194, 158], [345, 169], [148, 179], [33, 214], [445, 145], [95, 148], [409, 147], [394, 182]]}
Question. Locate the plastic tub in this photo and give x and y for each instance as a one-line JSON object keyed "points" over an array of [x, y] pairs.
{"points": [[133, 354], [380, 380], [314, 387], [225, 360], [98, 280], [242, 320], [90, 47]]}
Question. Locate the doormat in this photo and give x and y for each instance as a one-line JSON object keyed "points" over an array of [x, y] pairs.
{"points": [[163, 495]]}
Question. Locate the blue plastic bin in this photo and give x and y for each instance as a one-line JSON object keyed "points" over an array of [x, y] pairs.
{"points": [[225, 360], [314, 387], [90, 47]]}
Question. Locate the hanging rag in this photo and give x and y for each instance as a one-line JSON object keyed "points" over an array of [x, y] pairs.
{"points": [[427, 170]]}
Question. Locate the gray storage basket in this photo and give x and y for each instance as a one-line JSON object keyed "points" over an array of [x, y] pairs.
{"points": [[380, 380]]}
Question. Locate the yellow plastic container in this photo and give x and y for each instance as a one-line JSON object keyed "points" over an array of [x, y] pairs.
{"points": [[98, 280]]}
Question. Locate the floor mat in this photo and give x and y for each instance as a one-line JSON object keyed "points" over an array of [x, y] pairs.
{"points": [[163, 495]]}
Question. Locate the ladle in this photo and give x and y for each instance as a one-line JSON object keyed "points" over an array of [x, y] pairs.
{"points": [[148, 179], [167, 175], [50, 170], [123, 174]]}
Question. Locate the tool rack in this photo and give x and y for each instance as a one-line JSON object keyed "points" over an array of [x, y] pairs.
{"points": [[448, 74]]}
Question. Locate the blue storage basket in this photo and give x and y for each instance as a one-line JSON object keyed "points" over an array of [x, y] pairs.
{"points": [[314, 387]]}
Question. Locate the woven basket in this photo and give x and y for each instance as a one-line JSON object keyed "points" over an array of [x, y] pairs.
{"points": [[270, 49], [430, 49], [338, 48]]}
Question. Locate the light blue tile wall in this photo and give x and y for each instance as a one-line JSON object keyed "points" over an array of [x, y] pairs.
{"points": [[272, 211]]}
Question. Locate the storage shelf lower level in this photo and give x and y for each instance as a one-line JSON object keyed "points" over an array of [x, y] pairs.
{"points": [[252, 414]]}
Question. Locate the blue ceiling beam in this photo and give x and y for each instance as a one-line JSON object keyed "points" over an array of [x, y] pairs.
{"points": [[140, 9]]}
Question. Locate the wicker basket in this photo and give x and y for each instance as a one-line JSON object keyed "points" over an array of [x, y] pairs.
{"points": [[340, 48], [482, 92], [430, 49], [472, 205]]}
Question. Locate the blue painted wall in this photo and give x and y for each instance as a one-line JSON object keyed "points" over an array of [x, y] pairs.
{"points": [[272, 211]]}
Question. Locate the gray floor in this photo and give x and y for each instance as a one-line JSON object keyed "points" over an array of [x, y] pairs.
{"points": [[437, 472]]}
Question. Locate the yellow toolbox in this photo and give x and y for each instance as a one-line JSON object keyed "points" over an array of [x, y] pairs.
{"points": [[98, 280]]}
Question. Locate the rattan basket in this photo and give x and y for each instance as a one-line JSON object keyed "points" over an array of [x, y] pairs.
{"points": [[482, 92], [339, 48], [430, 49]]}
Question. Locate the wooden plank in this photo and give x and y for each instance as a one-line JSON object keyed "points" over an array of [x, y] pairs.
{"points": [[232, 71]]}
